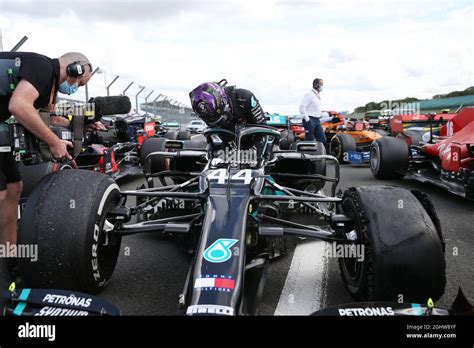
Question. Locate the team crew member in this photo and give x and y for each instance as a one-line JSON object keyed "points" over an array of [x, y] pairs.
{"points": [[30, 81], [310, 110]]}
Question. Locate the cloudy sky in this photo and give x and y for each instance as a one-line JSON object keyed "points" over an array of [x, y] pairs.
{"points": [[365, 50]]}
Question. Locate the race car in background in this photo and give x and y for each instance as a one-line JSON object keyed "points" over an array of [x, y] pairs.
{"points": [[446, 160], [289, 127], [171, 126], [329, 119], [296, 125], [418, 127], [135, 131], [379, 120], [349, 141]]}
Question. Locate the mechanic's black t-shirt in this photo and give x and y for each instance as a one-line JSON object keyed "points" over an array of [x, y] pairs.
{"points": [[38, 70]]}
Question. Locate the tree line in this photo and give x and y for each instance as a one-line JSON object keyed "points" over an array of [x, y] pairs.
{"points": [[377, 106]]}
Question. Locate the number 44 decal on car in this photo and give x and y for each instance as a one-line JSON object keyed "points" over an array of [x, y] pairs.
{"points": [[221, 176]]}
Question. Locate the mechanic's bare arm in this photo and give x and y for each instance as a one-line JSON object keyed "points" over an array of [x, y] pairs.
{"points": [[22, 107]]}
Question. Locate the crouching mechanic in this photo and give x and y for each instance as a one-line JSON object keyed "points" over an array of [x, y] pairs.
{"points": [[28, 82]]}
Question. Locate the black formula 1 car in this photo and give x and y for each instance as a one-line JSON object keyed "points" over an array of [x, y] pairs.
{"points": [[233, 204]]}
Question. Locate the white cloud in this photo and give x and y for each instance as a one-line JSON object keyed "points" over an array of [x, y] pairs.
{"points": [[364, 50]]}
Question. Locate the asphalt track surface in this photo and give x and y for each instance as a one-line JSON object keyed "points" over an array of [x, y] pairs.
{"points": [[151, 270]]}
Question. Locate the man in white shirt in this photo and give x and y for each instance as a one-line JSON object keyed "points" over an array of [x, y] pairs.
{"points": [[310, 110]]}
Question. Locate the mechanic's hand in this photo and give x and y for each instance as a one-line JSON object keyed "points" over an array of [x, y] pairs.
{"points": [[59, 149], [96, 126], [60, 121], [51, 108]]}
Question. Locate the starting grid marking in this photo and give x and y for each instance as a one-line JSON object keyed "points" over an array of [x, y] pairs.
{"points": [[304, 289]]}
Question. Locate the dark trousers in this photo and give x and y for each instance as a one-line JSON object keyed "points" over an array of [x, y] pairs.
{"points": [[313, 130]]}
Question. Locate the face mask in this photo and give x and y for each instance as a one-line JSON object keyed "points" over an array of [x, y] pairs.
{"points": [[66, 88], [321, 88]]}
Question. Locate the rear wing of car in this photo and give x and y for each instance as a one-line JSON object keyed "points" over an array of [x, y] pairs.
{"points": [[399, 123]]}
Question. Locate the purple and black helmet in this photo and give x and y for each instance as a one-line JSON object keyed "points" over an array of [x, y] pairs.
{"points": [[210, 101]]}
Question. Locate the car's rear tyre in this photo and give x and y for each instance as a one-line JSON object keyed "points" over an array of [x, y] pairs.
{"points": [[389, 158], [401, 247], [197, 143], [157, 163], [65, 218], [287, 139], [380, 132], [340, 145], [171, 135], [183, 135]]}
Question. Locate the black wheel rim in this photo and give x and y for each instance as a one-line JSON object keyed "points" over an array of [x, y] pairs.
{"points": [[352, 268], [335, 148], [106, 253], [374, 159]]}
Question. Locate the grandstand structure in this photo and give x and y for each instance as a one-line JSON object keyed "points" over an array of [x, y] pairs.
{"points": [[169, 111], [166, 110]]}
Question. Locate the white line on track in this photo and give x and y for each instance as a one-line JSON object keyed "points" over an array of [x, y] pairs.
{"points": [[304, 289]]}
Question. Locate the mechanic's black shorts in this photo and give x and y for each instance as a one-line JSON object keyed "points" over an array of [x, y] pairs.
{"points": [[9, 171]]}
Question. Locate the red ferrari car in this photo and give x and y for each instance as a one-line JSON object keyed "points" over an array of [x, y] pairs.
{"points": [[446, 160]]}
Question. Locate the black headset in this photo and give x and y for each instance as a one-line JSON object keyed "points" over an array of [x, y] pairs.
{"points": [[316, 83], [77, 69]]}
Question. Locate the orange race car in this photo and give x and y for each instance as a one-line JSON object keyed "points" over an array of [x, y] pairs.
{"points": [[329, 119], [349, 141]]}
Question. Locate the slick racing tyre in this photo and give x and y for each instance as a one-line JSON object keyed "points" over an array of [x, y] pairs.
{"points": [[171, 135], [389, 158], [287, 139], [183, 135], [381, 132], [67, 218], [197, 143], [340, 145], [32, 175], [157, 163], [398, 251]]}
